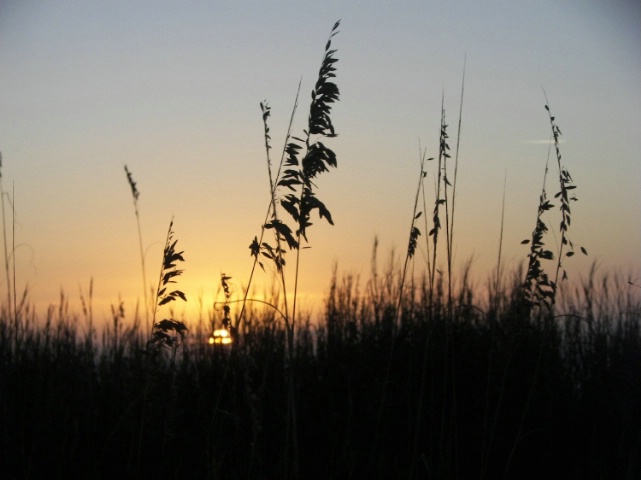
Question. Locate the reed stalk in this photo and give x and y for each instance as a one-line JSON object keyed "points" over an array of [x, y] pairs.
{"points": [[135, 194], [450, 241], [538, 289], [4, 234], [302, 161]]}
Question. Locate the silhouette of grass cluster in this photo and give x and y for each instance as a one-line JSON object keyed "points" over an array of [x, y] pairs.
{"points": [[502, 392], [538, 288], [161, 335]]}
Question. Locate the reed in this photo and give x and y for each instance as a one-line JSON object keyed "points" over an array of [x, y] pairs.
{"points": [[293, 191], [135, 194], [538, 289]]}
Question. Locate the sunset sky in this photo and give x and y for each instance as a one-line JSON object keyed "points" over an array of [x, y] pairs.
{"points": [[172, 90]]}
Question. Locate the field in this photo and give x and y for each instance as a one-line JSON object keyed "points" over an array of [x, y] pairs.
{"points": [[435, 394]]}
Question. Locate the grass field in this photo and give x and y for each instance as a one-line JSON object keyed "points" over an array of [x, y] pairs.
{"points": [[466, 393]]}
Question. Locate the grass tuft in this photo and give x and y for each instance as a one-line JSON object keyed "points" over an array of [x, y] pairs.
{"points": [[161, 332]]}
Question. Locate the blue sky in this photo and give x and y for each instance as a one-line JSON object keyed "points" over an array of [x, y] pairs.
{"points": [[172, 89]]}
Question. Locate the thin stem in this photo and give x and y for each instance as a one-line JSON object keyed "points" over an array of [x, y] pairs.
{"points": [[144, 270], [271, 209], [13, 254], [161, 275], [448, 233], [451, 226], [4, 233], [427, 238], [437, 222], [564, 185], [498, 262], [135, 194], [412, 241], [414, 450]]}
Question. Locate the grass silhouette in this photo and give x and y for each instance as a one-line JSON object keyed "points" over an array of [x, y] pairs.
{"points": [[562, 389]]}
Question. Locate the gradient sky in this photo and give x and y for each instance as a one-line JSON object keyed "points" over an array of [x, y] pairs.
{"points": [[172, 89]]}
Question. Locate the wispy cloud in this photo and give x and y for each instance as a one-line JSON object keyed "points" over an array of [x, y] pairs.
{"points": [[549, 141]]}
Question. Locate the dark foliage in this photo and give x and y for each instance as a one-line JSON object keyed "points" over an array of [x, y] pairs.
{"points": [[504, 397]]}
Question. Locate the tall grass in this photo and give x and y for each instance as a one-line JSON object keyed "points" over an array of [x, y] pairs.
{"points": [[538, 288], [135, 194], [293, 195], [72, 404], [4, 235]]}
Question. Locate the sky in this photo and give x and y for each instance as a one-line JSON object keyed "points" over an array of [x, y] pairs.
{"points": [[172, 90]]}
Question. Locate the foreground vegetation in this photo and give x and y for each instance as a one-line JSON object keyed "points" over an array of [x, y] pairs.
{"points": [[468, 393]]}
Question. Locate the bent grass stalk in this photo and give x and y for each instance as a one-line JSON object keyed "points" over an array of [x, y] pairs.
{"points": [[565, 186], [538, 289]]}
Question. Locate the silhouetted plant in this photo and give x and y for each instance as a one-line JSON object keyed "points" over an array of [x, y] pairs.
{"points": [[415, 232], [135, 194], [160, 333], [9, 258], [565, 186], [258, 247], [4, 234], [494, 303], [117, 316], [538, 289], [582, 415], [303, 160], [281, 231], [451, 204], [441, 183], [293, 190], [300, 173]]}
